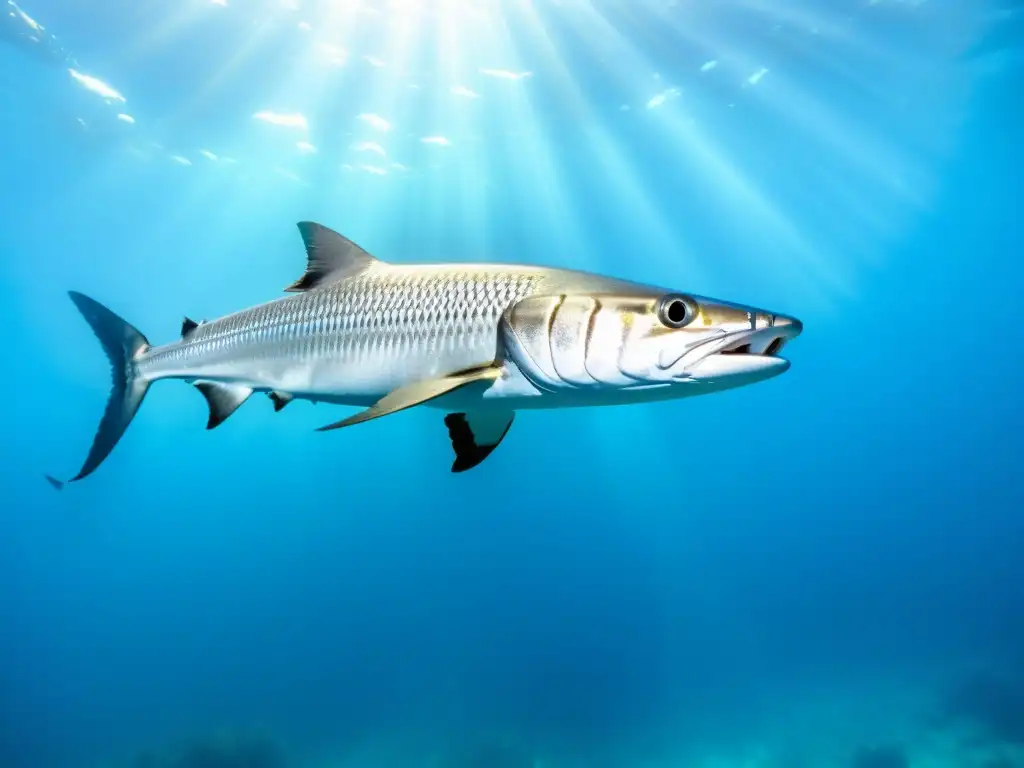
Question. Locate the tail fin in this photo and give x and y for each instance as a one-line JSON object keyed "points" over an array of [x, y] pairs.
{"points": [[123, 344]]}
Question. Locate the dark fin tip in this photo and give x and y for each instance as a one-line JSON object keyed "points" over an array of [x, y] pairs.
{"points": [[57, 484], [187, 326], [222, 400], [468, 453], [304, 283], [278, 400]]}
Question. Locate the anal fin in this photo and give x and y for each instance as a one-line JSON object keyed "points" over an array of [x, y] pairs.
{"points": [[475, 435], [417, 393], [223, 399], [280, 399]]}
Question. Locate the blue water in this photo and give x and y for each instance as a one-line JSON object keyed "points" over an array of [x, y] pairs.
{"points": [[791, 574]]}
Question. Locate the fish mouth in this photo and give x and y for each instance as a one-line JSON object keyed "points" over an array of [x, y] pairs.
{"points": [[750, 351], [762, 342], [766, 345]]}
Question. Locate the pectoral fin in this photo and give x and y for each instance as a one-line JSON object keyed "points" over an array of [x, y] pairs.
{"points": [[476, 434], [416, 394]]}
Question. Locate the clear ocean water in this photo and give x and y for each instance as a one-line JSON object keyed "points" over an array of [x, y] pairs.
{"points": [[822, 570]]}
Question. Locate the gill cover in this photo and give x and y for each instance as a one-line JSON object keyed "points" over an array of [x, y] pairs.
{"points": [[603, 341]]}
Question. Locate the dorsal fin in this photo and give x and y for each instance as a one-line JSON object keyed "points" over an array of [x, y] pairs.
{"points": [[187, 326], [329, 257]]}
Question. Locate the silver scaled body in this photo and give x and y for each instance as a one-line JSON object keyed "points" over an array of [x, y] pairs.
{"points": [[481, 341]]}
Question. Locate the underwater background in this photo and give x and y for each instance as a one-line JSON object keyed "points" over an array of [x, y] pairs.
{"points": [[821, 570]]}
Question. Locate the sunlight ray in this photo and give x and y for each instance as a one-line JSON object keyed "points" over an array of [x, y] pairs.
{"points": [[540, 172], [367, 141], [465, 174], [182, 19], [880, 168], [652, 218], [241, 55]]}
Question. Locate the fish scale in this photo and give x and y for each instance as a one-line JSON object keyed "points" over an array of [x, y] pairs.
{"points": [[407, 318]]}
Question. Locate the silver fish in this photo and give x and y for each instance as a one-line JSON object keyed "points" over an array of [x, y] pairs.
{"points": [[479, 341]]}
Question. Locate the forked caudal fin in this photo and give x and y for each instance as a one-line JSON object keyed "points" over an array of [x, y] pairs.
{"points": [[122, 344]]}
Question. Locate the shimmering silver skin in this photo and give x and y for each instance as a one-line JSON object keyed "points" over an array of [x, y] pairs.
{"points": [[562, 338], [357, 339]]}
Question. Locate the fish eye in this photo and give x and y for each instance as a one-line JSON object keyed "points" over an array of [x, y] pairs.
{"points": [[674, 312]]}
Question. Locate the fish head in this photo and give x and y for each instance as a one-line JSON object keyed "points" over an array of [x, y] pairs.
{"points": [[644, 343]]}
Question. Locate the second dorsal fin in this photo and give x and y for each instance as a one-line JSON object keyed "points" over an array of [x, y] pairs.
{"points": [[187, 326], [329, 257]]}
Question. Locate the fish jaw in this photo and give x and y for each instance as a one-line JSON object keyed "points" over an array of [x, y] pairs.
{"points": [[737, 357]]}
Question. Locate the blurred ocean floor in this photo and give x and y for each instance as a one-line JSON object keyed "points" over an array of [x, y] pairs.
{"points": [[978, 722]]}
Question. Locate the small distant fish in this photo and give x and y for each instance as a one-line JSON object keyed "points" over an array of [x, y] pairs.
{"points": [[479, 341]]}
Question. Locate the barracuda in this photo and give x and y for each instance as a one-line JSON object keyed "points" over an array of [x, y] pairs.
{"points": [[479, 341]]}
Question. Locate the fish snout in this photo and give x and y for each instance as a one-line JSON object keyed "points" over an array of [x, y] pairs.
{"points": [[790, 326], [781, 330]]}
